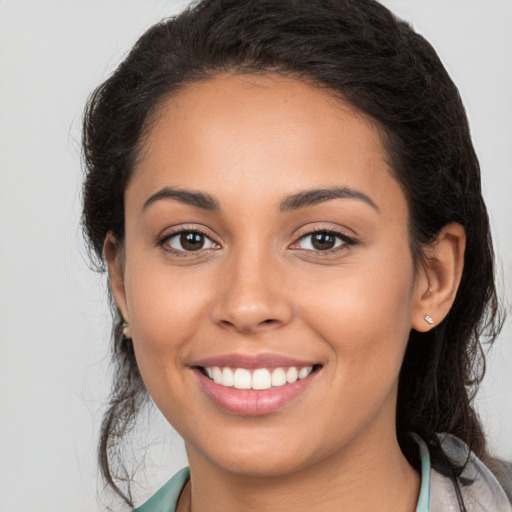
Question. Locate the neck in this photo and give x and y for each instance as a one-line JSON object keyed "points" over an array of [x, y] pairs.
{"points": [[366, 476]]}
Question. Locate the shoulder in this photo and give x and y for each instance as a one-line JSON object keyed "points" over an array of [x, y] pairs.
{"points": [[478, 486], [166, 498]]}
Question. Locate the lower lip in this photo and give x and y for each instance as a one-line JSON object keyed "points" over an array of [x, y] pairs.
{"points": [[250, 402]]}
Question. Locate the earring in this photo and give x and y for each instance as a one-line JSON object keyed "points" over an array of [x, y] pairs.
{"points": [[429, 320], [126, 330]]}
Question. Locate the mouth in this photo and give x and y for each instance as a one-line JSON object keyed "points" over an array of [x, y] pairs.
{"points": [[257, 379], [254, 387]]}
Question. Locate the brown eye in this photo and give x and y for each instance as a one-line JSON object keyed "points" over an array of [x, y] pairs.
{"points": [[192, 241], [323, 241], [188, 241]]}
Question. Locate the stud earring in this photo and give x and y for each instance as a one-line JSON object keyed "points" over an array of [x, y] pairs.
{"points": [[429, 320], [126, 330]]}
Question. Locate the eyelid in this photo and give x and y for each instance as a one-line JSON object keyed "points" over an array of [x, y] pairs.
{"points": [[163, 240], [347, 240]]}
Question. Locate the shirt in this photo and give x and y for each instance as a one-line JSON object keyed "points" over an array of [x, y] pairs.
{"points": [[479, 488]]}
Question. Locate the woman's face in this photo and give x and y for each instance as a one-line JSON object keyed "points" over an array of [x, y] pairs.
{"points": [[266, 237]]}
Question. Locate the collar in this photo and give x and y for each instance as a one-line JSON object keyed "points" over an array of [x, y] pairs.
{"points": [[424, 498]]}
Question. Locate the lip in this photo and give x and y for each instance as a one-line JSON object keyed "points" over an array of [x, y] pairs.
{"points": [[249, 402], [252, 362]]}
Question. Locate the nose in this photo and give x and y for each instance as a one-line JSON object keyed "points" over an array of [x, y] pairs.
{"points": [[252, 294]]}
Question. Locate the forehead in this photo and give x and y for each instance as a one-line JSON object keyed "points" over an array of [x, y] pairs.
{"points": [[260, 133]]}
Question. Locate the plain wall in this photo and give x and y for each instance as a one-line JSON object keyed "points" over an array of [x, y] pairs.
{"points": [[54, 320]]}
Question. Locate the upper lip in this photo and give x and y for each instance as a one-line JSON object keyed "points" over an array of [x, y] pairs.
{"points": [[252, 361]]}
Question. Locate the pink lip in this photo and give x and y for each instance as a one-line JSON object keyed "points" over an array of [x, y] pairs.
{"points": [[252, 361], [249, 402]]}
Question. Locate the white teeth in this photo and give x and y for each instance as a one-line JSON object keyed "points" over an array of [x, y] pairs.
{"points": [[258, 379], [217, 375], [278, 377], [228, 378], [304, 372], [261, 379], [242, 379], [292, 374]]}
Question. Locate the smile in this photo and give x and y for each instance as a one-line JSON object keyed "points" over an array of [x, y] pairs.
{"points": [[255, 386], [257, 378]]}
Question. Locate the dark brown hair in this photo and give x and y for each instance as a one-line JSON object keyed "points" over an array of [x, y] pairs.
{"points": [[360, 52]]}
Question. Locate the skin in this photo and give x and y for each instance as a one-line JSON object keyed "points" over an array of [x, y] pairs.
{"points": [[260, 286]]}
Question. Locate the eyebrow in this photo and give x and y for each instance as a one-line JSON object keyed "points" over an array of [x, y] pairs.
{"points": [[313, 197], [190, 197], [297, 201]]}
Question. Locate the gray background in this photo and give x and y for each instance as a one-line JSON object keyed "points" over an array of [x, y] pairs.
{"points": [[54, 324]]}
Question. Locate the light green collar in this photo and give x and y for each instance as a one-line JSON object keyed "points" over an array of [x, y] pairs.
{"points": [[424, 499], [166, 498]]}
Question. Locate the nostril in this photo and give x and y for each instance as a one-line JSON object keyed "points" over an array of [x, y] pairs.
{"points": [[240, 326]]}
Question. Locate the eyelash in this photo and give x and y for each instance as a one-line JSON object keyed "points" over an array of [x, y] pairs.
{"points": [[162, 242], [345, 240]]}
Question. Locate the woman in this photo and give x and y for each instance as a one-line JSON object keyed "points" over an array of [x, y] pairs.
{"points": [[288, 202]]}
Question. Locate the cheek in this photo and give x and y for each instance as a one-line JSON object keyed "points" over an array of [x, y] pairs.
{"points": [[365, 314], [165, 312], [364, 318]]}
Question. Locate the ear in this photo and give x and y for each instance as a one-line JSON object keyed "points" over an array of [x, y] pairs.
{"points": [[114, 256], [439, 277]]}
